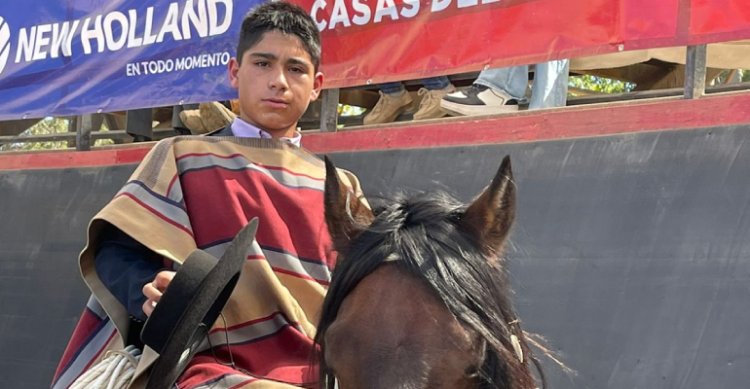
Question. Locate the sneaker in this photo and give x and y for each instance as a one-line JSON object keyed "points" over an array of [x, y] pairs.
{"points": [[478, 100], [389, 106], [429, 106]]}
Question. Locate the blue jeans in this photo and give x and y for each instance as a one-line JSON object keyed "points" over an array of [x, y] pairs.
{"points": [[432, 83], [550, 87]]}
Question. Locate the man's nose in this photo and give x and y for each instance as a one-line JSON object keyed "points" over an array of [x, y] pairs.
{"points": [[278, 78]]}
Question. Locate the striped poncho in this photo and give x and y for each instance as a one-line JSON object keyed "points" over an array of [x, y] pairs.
{"points": [[197, 192]]}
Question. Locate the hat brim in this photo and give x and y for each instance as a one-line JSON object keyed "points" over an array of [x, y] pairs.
{"points": [[191, 304]]}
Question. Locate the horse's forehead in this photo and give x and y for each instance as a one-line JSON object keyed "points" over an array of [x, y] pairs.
{"points": [[393, 324], [396, 306], [391, 288]]}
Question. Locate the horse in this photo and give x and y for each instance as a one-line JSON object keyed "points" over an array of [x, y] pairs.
{"points": [[420, 297]]}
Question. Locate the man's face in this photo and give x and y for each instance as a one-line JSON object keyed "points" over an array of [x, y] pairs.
{"points": [[276, 83]]}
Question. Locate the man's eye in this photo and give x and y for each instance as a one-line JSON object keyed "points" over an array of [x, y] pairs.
{"points": [[297, 69], [261, 64]]}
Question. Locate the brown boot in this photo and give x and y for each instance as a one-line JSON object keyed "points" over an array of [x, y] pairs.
{"points": [[388, 108], [208, 117], [191, 118], [215, 115], [429, 106]]}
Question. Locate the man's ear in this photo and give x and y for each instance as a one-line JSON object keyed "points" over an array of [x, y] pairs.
{"points": [[317, 86], [346, 215], [489, 217], [233, 69]]}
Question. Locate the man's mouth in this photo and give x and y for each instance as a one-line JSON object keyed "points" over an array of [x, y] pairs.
{"points": [[278, 103]]}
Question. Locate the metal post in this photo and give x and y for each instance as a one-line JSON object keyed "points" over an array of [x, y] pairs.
{"points": [[695, 72], [73, 127], [87, 124], [329, 113], [138, 124]]}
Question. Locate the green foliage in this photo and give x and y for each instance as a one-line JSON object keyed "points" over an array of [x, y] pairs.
{"points": [[103, 142], [600, 84], [46, 126], [350, 110], [49, 126]]}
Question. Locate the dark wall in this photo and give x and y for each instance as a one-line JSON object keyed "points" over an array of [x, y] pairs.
{"points": [[629, 253], [43, 220]]}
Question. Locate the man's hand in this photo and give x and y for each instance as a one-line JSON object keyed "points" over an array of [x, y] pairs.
{"points": [[155, 289]]}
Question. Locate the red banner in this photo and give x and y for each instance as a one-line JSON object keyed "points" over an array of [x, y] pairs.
{"points": [[70, 57], [373, 41], [718, 20]]}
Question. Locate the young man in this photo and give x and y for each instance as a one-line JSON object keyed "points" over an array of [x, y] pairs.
{"points": [[198, 192]]}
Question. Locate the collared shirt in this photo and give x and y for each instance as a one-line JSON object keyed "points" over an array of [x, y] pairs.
{"points": [[243, 129]]}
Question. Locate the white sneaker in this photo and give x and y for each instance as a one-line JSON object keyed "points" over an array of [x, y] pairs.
{"points": [[478, 100]]}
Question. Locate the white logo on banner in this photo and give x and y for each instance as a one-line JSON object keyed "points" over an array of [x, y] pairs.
{"points": [[119, 30], [4, 43]]}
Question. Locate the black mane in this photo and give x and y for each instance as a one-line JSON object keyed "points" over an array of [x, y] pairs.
{"points": [[422, 234]]}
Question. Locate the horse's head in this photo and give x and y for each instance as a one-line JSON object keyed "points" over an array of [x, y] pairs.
{"points": [[419, 297]]}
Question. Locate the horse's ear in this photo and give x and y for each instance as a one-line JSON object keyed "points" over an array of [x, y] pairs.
{"points": [[490, 215], [346, 215]]}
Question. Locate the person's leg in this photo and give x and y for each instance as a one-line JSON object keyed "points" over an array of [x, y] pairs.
{"points": [[392, 88], [434, 90], [550, 86], [512, 80], [435, 83], [496, 90], [394, 99]]}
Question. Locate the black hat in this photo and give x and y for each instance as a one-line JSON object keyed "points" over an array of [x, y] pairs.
{"points": [[190, 306]]}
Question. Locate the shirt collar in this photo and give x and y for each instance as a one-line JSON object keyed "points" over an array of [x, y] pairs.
{"points": [[243, 129]]}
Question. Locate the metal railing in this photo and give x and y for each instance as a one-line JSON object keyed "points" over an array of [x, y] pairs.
{"points": [[85, 129]]}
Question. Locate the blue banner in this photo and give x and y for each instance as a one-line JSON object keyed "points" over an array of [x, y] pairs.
{"points": [[72, 57]]}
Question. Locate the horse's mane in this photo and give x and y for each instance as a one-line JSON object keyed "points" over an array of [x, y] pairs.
{"points": [[421, 233]]}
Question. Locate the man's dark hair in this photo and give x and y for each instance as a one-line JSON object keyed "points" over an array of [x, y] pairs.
{"points": [[284, 17]]}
